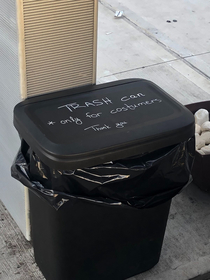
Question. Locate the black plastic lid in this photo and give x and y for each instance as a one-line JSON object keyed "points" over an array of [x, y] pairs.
{"points": [[92, 125]]}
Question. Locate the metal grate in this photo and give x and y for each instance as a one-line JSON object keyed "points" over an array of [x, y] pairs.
{"points": [[57, 44]]}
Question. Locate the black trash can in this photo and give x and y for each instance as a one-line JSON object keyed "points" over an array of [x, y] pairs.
{"points": [[102, 164]]}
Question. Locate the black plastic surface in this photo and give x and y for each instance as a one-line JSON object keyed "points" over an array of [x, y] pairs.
{"points": [[200, 170], [140, 182], [93, 125], [88, 241]]}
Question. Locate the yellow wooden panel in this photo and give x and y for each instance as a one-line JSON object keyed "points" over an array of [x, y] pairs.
{"points": [[57, 44]]}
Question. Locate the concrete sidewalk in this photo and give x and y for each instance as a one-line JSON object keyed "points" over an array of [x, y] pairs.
{"points": [[169, 44], [142, 44], [185, 252]]}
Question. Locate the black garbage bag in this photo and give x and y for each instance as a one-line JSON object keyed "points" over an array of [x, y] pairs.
{"points": [[143, 181]]}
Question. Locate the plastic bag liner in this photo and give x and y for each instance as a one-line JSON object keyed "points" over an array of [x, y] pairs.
{"points": [[143, 181]]}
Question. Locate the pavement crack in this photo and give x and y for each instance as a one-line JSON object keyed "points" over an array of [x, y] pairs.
{"points": [[194, 55], [141, 67]]}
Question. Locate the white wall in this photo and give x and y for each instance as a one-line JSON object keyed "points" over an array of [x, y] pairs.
{"points": [[11, 192]]}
